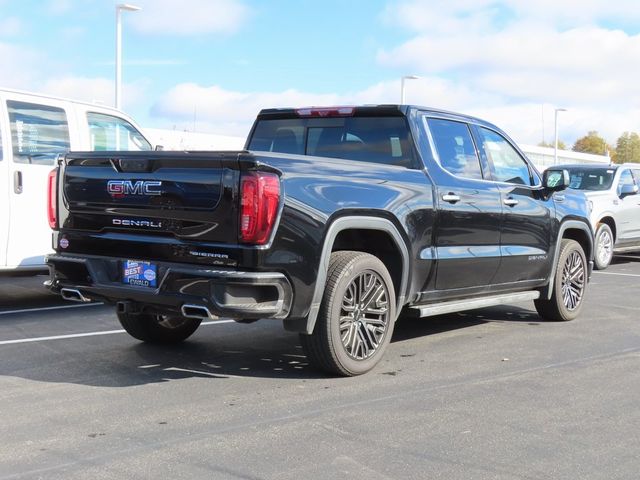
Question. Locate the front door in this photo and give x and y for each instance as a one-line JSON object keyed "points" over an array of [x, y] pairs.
{"points": [[525, 241], [38, 132], [469, 211]]}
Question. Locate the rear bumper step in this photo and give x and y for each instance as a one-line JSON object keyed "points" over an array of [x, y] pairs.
{"points": [[188, 290], [473, 303]]}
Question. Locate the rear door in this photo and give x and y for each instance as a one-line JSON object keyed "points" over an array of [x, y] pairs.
{"points": [[525, 239], [39, 132], [469, 210], [4, 187]]}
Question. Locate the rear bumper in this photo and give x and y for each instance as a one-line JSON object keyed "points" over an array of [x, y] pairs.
{"points": [[223, 292]]}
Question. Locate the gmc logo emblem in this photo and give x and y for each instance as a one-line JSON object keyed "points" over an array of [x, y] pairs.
{"points": [[122, 188]]}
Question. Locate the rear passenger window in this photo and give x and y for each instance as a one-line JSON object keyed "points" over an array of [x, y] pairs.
{"points": [[38, 132], [507, 165], [112, 133], [455, 148]]}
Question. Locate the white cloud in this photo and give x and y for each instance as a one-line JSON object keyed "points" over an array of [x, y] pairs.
{"points": [[10, 26], [189, 17], [94, 90], [23, 64], [508, 57], [227, 112]]}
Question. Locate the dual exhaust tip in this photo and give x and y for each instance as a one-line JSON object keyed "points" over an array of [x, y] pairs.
{"points": [[73, 295], [196, 311], [187, 310]]}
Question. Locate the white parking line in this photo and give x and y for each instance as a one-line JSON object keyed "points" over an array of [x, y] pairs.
{"points": [[87, 334], [43, 309], [620, 274]]}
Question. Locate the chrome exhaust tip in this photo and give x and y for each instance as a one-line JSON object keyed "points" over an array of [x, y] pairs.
{"points": [[73, 295], [195, 311]]}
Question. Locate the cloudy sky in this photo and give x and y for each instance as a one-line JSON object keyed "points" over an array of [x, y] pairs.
{"points": [[213, 64]]}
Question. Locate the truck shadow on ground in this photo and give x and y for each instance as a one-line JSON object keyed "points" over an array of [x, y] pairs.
{"points": [[260, 350], [627, 258]]}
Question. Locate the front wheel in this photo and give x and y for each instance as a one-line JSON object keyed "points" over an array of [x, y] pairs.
{"points": [[604, 246], [158, 328], [570, 282], [356, 317]]}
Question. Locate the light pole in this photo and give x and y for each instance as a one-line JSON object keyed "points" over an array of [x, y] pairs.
{"points": [[119, 8], [402, 80], [555, 148]]}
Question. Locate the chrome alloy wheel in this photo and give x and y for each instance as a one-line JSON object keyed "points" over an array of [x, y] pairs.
{"points": [[364, 315], [573, 280], [605, 247]]}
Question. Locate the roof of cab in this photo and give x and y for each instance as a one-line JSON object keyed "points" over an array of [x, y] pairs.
{"points": [[374, 110]]}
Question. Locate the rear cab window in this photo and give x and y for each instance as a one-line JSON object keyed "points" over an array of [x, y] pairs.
{"points": [[376, 139], [39, 133], [107, 132]]}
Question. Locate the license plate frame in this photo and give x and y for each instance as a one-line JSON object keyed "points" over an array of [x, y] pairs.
{"points": [[137, 273]]}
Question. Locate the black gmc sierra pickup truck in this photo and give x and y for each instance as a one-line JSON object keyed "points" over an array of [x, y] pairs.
{"points": [[333, 220]]}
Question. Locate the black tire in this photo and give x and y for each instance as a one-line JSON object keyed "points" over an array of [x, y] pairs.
{"points": [[158, 328], [604, 246], [366, 330], [570, 283]]}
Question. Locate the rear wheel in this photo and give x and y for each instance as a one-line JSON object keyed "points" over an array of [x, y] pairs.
{"points": [[158, 328], [604, 246], [569, 285], [356, 317]]}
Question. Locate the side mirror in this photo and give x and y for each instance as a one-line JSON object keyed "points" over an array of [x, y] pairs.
{"points": [[556, 180], [159, 148], [627, 190]]}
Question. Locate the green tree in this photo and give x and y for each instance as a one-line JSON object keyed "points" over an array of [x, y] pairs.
{"points": [[628, 148], [561, 145], [592, 143]]}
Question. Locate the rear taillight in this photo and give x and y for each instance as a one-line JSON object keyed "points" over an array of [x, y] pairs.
{"points": [[52, 199], [259, 202]]}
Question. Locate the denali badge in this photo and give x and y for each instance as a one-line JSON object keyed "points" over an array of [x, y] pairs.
{"points": [[136, 223], [121, 188]]}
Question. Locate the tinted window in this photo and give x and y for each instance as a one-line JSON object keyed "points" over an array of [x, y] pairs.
{"points": [[455, 147], [38, 132], [506, 163], [368, 139], [591, 178], [113, 133]]}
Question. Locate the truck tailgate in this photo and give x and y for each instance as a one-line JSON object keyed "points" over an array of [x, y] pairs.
{"points": [[183, 195]]}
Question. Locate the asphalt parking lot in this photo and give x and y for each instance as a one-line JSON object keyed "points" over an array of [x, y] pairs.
{"points": [[489, 394]]}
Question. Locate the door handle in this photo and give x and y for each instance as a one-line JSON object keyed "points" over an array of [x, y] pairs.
{"points": [[451, 197], [17, 182], [511, 202]]}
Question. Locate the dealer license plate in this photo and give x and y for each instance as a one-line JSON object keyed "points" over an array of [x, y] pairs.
{"points": [[139, 274]]}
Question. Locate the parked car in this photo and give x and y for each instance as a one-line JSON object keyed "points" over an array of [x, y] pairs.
{"points": [[612, 191], [334, 220], [34, 130]]}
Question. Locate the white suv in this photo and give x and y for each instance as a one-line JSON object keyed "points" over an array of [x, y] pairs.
{"points": [[615, 206]]}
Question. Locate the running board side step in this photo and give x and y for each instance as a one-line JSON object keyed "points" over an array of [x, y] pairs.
{"points": [[473, 303]]}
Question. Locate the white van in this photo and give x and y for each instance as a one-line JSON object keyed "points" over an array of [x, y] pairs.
{"points": [[34, 130]]}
